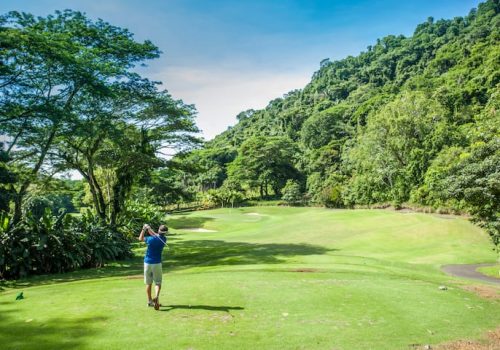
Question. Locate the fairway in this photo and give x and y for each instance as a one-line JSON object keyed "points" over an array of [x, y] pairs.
{"points": [[270, 278]]}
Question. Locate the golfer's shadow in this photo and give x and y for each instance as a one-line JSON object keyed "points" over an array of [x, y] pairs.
{"points": [[200, 307]]}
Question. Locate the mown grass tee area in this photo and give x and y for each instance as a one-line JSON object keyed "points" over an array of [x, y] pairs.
{"points": [[269, 278]]}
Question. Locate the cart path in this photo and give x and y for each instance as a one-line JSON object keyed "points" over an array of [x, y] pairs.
{"points": [[469, 271]]}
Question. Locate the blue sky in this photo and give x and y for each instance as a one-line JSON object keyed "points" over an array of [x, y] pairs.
{"points": [[227, 56]]}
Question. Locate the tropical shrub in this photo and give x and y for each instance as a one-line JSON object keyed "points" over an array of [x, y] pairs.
{"points": [[101, 242], [291, 193], [136, 213], [55, 244]]}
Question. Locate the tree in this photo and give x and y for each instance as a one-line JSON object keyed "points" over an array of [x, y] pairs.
{"points": [[469, 177], [327, 191], [291, 192], [208, 166], [245, 115], [233, 192], [51, 66], [125, 135], [264, 162], [172, 184], [321, 128], [393, 153], [476, 181]]}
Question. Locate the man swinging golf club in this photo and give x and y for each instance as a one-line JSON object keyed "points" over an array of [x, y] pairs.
{"points": [[152, 261]]}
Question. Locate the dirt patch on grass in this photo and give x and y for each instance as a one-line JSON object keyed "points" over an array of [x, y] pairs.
{"points": [[134, 277], [484, 291], [305, 270], [492, 342]]}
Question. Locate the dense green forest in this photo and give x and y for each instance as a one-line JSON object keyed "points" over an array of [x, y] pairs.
{"points": [[411, 121], [72, 101]]}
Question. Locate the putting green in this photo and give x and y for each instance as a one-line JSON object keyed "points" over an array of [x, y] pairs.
{"points": [[269, 278]]}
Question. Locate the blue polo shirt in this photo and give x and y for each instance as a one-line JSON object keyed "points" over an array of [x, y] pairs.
{"points": [[155, 247]]}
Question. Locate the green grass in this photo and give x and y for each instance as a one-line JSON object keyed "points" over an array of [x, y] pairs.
{"points": [[493, 271], [288, 278]]}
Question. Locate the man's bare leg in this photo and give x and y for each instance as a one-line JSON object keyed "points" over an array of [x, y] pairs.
{"points": [[157, 296], [157, 291], [148, 292]]}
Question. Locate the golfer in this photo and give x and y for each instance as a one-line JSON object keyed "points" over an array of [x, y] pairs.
{"points": [[152, 261]]}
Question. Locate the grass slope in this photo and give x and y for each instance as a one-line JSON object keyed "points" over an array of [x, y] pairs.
{"points": [[493, 271], [269, 278]]}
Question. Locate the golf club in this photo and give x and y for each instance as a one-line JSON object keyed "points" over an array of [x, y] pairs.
{"points": [[156, 235]]}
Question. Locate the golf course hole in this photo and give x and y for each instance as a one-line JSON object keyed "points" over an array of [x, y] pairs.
{"points": [[198, 229]]}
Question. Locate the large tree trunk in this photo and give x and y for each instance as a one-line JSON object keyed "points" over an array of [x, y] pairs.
{"points": [[87, 172], [97, 192]]}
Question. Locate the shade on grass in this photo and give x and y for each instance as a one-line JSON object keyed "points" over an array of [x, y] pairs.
{"points": [[289, 278]]}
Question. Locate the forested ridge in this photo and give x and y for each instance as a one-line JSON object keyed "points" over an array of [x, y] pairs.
{"points": [[107, 187], [411, 120]]}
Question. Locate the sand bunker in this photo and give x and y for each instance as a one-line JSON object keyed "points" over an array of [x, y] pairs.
{"points": [[198, 229], [254, 214]]}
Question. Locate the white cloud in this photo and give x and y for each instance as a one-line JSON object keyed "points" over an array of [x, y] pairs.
{"points": [[220, 94]]}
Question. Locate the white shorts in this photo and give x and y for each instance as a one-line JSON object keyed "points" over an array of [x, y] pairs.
{"points": [[153, 273]]}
